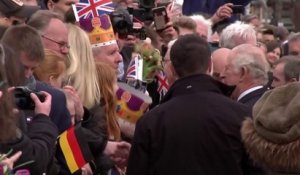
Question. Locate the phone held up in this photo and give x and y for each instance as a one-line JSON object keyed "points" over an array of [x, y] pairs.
{"points": [[238, 9], [160, 17]]}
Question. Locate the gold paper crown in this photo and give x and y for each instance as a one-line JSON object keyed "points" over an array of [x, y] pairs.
{"points": [[100, 30]]}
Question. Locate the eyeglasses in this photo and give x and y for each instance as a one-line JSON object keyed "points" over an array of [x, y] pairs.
{"points": [[62, 45]]}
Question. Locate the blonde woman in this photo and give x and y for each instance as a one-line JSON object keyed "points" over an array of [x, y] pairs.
{"points": [[81, 70], [82, 75]]}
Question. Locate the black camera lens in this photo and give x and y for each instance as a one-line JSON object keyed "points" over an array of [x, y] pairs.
{"points": [[147, 3], [23, 100], [121, 25]]}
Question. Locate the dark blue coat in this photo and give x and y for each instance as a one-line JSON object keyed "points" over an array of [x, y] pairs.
{"points": [[251, 98], [59, 114]]}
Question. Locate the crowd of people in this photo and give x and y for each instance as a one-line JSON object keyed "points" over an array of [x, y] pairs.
{"points": [[230, 105]]}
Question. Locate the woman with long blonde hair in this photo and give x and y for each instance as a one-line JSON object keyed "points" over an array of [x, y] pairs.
{"points": [[81, 70]]}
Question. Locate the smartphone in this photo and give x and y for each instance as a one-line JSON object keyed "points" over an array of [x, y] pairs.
{"points": [[238, 9], [160, 17]]}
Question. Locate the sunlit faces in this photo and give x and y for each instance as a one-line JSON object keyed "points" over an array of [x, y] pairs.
{"points": [[219, 60], [108, 54], [294, 47], [55, 37], [29, 65], [273, 55], [202, 29], [278, 75], [231, 76]]}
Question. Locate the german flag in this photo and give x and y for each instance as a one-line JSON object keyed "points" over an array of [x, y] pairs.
{"points": [[75, 148]]}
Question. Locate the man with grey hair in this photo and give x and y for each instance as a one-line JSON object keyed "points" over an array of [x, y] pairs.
{"points": [[236, 34], [286, 70], [52, 29], [246, 69], [203, 26], [294, 44]]}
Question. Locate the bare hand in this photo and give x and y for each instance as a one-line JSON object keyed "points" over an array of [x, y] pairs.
{"points": [[71, 91], [173, 11], [86, 170], [118, 152], [222, 13], [168, 33], [42, 107], [11, 160]]}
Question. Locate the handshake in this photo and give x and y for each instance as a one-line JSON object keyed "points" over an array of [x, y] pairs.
{"points": [[118, 152]]}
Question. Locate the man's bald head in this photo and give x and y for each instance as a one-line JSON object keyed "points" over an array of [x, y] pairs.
{"points": [[219, 59]]}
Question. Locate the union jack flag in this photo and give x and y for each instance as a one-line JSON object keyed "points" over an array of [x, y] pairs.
{"points": [[163, 84], [87, 9], [132, 70]]}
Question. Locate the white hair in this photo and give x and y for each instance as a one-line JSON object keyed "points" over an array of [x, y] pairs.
{"points": [[236, 34], [206, 22], [254, 59]]}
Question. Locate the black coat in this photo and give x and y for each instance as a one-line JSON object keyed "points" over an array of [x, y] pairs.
{"points": [[195, 131], [37, 144]]}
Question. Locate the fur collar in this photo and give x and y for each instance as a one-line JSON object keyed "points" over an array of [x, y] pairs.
{"points": [[277, 157]]}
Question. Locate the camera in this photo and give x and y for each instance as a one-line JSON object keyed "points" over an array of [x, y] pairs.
{"points": [[123, 25], [23, 99], [144, 12]]}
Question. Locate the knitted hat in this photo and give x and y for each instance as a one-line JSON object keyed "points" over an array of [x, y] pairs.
{"points": [[277, 114]]}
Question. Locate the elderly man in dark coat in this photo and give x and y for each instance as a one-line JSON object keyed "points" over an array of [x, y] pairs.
{"points": [[195, 130]]}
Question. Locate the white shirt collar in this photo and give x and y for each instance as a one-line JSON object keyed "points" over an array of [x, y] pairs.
{"points": [[248, 91]]}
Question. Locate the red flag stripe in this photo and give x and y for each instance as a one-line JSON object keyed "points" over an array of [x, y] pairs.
{"points": [[73, 142]]}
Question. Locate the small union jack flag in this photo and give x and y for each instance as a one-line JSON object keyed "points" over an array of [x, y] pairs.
{"points": [[132, 70], [87, 9], [163, 85]]}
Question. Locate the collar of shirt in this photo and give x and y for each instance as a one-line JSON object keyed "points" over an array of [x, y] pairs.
{"points": [[249, 91]]}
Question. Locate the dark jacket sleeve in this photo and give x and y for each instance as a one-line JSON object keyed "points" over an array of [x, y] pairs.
{"points": [[37, 144], [139, 154], [97, 137]]}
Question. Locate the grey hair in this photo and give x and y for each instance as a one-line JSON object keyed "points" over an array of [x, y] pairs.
{"points": [[236, 34], [40, 20], [206, 22], [291, 68], [254, 59], [294, 37]]}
